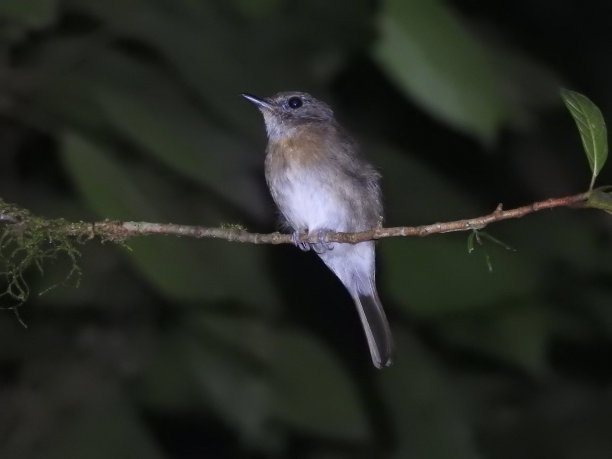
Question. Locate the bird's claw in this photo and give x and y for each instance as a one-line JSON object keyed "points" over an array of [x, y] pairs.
{"points": [[303, 246], [322, 246], [318, 247]]}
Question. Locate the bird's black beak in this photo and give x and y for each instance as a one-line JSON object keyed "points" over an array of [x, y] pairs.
{"points": [[260, 103]]}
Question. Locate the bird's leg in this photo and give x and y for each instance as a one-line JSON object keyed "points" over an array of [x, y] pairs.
{"points": [[303, 246], [321, 246], [318, 247]]}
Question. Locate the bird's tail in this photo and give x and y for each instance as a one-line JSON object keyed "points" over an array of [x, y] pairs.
{"points": [[376, 326], [354, 266]]}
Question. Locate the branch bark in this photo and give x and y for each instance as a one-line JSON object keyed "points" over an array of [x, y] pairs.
{"points": [[108, 230]]}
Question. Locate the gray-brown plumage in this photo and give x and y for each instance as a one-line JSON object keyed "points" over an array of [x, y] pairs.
{"points": [[319, 184]]}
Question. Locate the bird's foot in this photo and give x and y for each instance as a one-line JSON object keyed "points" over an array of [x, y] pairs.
{"points": [[318, 247], [303, 246], [322, 246]]}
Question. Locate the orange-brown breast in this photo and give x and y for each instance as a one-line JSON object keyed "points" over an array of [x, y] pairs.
{"points": [[303, 147]]}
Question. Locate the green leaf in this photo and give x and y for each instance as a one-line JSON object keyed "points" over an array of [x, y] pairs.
{"points": [[400, 171], [199, 366], [592, 128], [238, 393], [110, 427], [257, 9], [414, 269], [313, 392], [517, 333], [30, 13], [162, 121], [191, 144], [427, 415], [431, 276], [431, 56], [92, 169], [97, 427], [214, 69], [600, 199], [63, 93], [192, 270], [306, 387], [166, 382]]}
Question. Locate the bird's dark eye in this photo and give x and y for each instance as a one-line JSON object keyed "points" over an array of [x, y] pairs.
{"points": [[295, 102]]}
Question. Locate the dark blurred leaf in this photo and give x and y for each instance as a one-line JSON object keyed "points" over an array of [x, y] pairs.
{"points": [[251, 373], [597, 300], [428, 418], [182, 269], [550, 238], [213, 49], [94, 170], [414, 269], [592, 128], [57, 93], [517, 334], [205, 46], [564, 421], [259, 8], [528, 85], [240, 396], [308, 389], [313, 392], [176, 134], [600, 199], [415, 193], [227, 360], [167, 383], [111, 430], [516, 327], [55, 415], [431, 56], [253, 337], [191, 371], [159, 118], [30, 13], [436, 275]]}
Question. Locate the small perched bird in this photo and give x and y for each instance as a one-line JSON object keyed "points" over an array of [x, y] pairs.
{"points": [[320, 184]]}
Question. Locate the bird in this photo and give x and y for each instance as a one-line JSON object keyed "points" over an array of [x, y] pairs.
{"points": [[320, 183]]}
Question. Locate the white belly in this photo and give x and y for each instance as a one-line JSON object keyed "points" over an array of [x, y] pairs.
{"points": [[308, 204]]}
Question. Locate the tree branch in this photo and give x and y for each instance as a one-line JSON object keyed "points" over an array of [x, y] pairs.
{"points": [[117, 231]]}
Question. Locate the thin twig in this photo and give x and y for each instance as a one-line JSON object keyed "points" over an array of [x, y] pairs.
{"points": [[121, 231]]}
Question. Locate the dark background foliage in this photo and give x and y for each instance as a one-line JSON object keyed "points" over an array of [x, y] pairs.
{"points": [[174, 348]]}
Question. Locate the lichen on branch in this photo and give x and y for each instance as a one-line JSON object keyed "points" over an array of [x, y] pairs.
{"points": [[28, 241]]}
